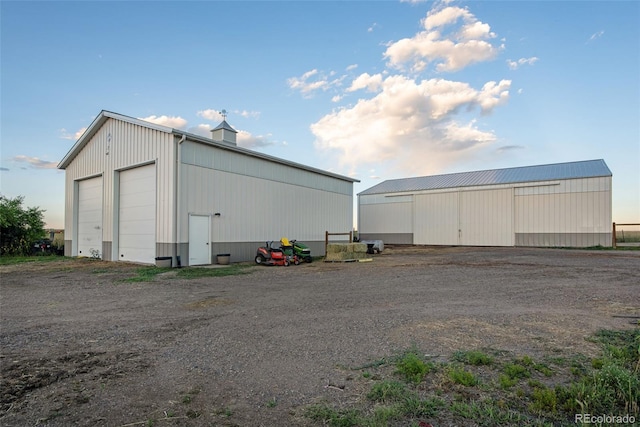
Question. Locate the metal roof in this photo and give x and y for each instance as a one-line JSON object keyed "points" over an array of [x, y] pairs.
{"points": [[104, 115], [571, 170], [226, 126]]}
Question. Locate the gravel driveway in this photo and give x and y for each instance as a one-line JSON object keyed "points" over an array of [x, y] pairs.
{"points": [[80, 346]]}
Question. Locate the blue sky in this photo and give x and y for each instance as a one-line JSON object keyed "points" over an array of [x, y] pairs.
{"points": [[370, 89]]}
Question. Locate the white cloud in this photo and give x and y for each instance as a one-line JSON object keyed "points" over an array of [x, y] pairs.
{"points": [[596, 35], [514, 65], [66, 135], [248, 114], [371, 83], [313, 81], [201, 129], [410, 124], [406, 124], [174, 122], [463, 45], [35, 162], [213, 115], [247, 140], [303, 84]]}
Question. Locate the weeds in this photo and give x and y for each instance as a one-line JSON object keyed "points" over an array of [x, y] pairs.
{"points": [[547, 394], [387, 391], [412, 368], [474, 358], [459, 376], [196, 273], [13, 260], [148, 274]]}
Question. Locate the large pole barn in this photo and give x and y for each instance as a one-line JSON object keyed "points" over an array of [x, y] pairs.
{"points": [[137, 191], [555, 205]]}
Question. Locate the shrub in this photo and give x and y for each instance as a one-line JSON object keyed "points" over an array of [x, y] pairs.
{"points": [[412, 367]]}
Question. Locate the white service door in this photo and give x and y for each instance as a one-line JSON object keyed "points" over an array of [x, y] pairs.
{"points": [[199, 247], [137, 215], [90, 217]]}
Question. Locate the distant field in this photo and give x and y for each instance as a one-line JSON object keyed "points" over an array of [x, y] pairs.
{"points": [[627, 236]]}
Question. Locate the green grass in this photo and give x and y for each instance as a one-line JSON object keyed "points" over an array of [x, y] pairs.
{"points": [[148, 274], [196, 273], [13, 260], [411, 367], [473, 357], [460, 376], [498, 390], [387, 391]]}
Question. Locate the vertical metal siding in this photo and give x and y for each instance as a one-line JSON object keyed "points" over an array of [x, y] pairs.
{"points": [[573, 206], [575, 212], [255, 209], [383, 218], [486, 218], [129, 145], [212, 157], [436, 219]]}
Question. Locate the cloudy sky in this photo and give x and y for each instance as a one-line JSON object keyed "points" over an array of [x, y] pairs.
{"points": [[370, 89]]}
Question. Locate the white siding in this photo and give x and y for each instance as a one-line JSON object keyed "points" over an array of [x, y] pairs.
{"points": [[255, 209], [437, 219], [211, 157], [119, 145], [572, 206], [385, 218], [486, 218]]}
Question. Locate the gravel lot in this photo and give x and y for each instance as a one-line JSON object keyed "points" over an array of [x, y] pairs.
{"points": [[79, 346]]}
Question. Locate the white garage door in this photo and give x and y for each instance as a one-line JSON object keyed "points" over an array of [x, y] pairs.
{"points": [[486, 218], [436, 219], [137, 215], [468, 218], [90, 217]]}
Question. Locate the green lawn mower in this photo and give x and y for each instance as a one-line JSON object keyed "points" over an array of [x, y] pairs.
{"points": [[293, 247]]}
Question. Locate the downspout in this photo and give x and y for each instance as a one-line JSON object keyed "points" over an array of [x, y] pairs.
{"points": [[176, 189]]}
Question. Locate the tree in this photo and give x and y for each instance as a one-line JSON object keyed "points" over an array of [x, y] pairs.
{"points": [[19, 227]]}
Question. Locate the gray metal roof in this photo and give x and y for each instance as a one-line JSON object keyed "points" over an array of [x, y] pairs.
{"points": [[571, 170], [105, 115], [224, 125]]}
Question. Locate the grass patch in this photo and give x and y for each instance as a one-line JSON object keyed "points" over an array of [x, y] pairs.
{"points": [[473, 357], [196, 273], [460, 376], [13, 260], [511, 391], [411, 367], [387, 391], [333, 417], [148, 274]]}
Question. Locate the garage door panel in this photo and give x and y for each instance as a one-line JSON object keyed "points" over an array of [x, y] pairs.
{"points": [[137, 215], [486, 218], [89, 224], [436, 219]]}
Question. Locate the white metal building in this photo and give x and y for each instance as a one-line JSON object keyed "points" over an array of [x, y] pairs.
{"points": [[136, 191], [558, 205]]}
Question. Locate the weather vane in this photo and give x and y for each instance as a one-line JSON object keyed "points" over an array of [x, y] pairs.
{"points": [[224, 114]]}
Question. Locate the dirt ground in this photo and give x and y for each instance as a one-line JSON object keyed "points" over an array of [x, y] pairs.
{"points": [[80, 346]]}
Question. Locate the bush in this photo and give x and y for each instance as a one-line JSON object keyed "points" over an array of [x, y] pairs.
{"points": [[20, 227]]}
